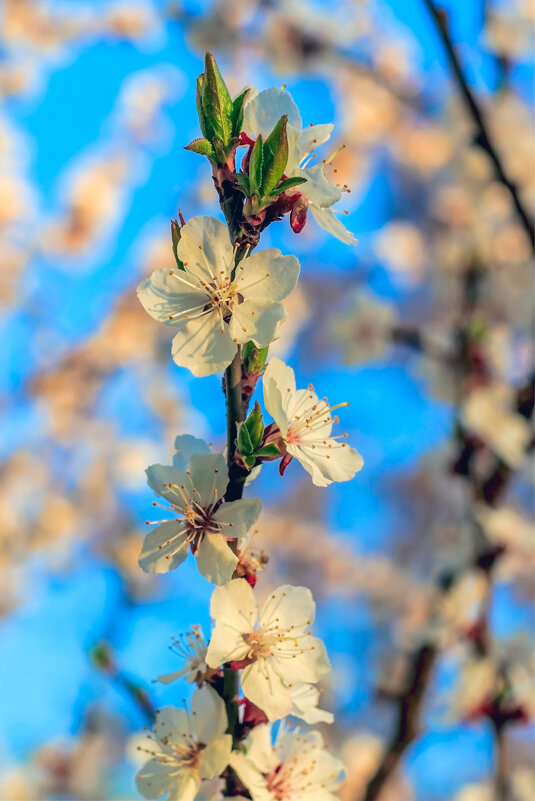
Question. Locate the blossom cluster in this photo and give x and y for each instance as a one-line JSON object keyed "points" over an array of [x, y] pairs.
{"points": [[261, 663]]}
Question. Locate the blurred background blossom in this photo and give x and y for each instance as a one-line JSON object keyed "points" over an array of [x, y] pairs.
{"points": [[426, 328]]}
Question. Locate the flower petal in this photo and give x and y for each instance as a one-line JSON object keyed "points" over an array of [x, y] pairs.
{"points": [[209, 717], [242, 514], [278, 382], [215, 559], [164, 480], [305, 698], [264, 686], [152, 780], [314, 136], [267, 274], [328, 462], [209, 477], [317, 189], [168, 678], [172, 724], [186, 445], [205, 248], [163, 294], [185, 786], [215, 757], [288, 607], [308, 663], [264, 111], [256, 320], [157, 556], [203, 345], [328, 221]]}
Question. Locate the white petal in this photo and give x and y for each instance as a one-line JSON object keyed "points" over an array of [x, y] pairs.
{"points": [[327, 464], [264, 111], [289, 607], [314, 136], [318, 190], [163, 294], [267, 274], [216, 252], [260, 749], [235, 604], [186, 445], [305, 698], [256, 320], [278, 382], [171, 723], [204, 346], [209, 717], [185, 786], [152, 780], [263, 686], [168, 678], [251, 776], [242, 514], [215, 757], [215, 559], [156, 555], [209, 477], [226, 644], [310, 664], [160, 476], [331, 223], [294, 153]]}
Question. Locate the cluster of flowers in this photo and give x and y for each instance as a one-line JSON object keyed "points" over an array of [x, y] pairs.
{"points": [[226, 304]]}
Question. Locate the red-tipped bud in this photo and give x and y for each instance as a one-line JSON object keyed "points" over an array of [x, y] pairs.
{"points": [[298, 215]]}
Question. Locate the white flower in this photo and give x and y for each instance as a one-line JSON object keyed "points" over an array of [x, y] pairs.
{"points": [[275, 642], [213, 308], [305, 424], [191, 647], [186, 748], [296, 768], [261, 115], [203, 522]]}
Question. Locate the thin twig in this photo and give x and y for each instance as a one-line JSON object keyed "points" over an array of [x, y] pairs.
{"points": [[484, 136]]}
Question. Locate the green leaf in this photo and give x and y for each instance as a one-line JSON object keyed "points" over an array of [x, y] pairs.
{"points": [[220, 153], [268, 451], [238, 105], [288, 183], [255, 426], [256, 166], [243, 441], [249, 461], [206, 131], [202, 147], [275, 156], [243, 183], [254, 358], [216, 102]]}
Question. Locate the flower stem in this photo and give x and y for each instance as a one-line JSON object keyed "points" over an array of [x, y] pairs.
{"points": [[236, 413]]}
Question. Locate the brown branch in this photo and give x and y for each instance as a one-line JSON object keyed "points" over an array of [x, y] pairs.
{"points": [[408, 718], [484, 136]]}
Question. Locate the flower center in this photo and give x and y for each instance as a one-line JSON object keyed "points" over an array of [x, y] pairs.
{"points": [[278, 784], [260, 644], [307, 421]]}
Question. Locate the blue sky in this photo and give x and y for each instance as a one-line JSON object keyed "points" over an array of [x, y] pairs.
{"points": [[44, 671]]}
